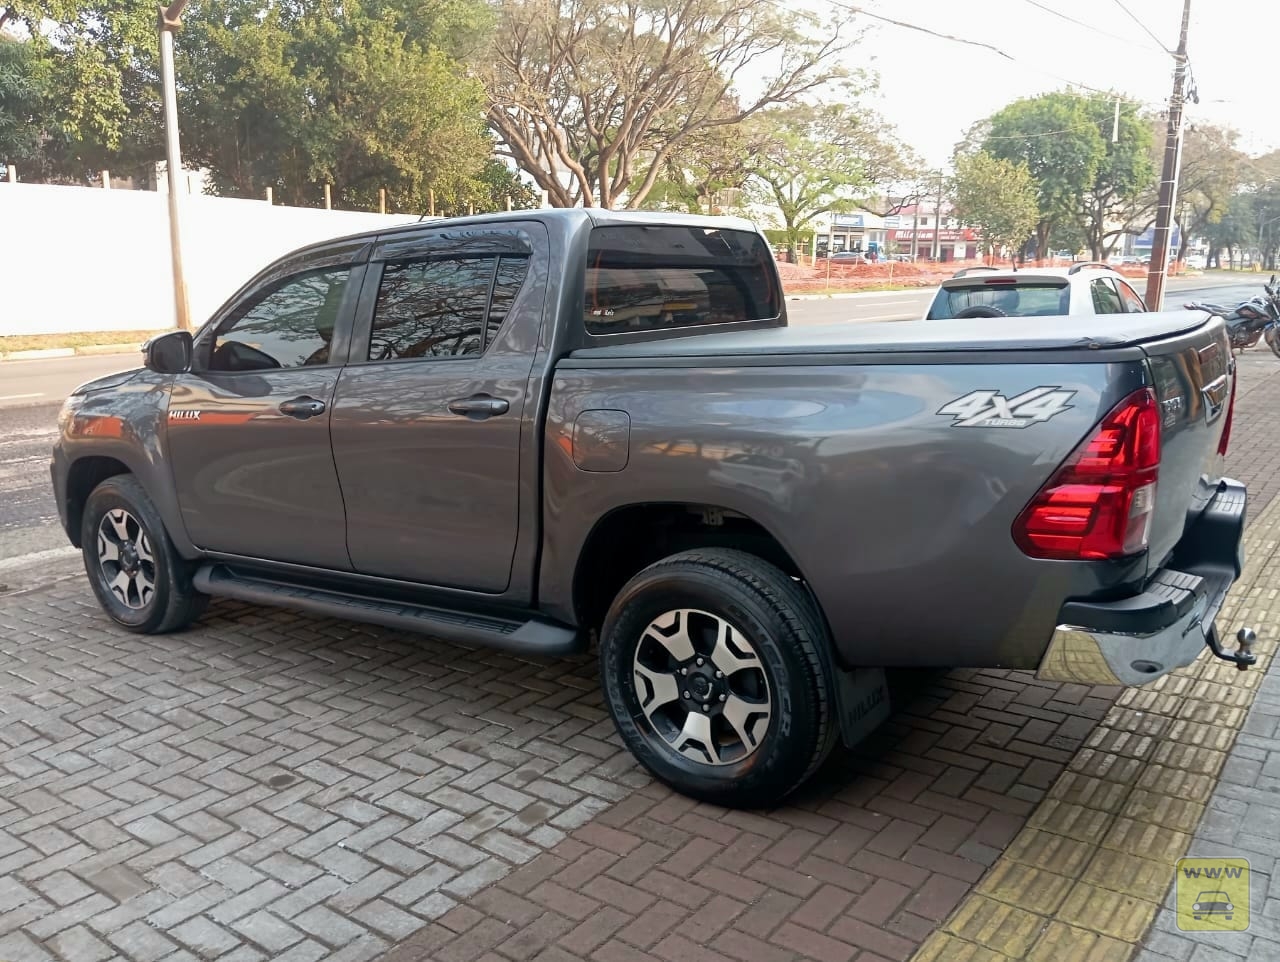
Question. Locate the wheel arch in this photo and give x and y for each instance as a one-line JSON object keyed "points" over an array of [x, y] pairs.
{"points": [[83, 475], [631, 537]]}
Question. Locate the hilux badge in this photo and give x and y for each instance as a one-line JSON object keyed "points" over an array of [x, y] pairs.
{"points": [[991, 409], [184, 415]]}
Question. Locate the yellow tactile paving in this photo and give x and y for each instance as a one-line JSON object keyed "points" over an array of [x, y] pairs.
{"points": [[1084, 879], [1066, 943]]}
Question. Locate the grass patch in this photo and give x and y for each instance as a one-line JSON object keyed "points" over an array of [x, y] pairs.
{"points": [[11, 343]]}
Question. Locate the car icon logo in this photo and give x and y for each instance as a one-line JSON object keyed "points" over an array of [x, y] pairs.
{"points": [[1213, 903]]}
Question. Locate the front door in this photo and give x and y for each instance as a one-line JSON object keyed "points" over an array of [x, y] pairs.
{"points": [[248, 427], [429, 413]]}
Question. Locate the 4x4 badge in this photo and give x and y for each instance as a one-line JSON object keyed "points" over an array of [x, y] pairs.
{"points": [[991, 409]]}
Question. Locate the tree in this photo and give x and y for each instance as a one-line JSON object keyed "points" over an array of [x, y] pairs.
{"points": [[1211, 172], [997, 196], [1060, 145], [592, 98], [1123, 177], [815, 160], [24, 90], [359, 94], [99, 60]]}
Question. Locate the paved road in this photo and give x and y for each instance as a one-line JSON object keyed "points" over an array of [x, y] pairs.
{"points": [[25, 383]]}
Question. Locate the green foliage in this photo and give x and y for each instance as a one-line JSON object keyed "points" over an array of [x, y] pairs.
{"points": [[1084, 179], [287, 94], [362, 94], [1058, 143], [99, 61], [816, 160], [24, 92], [998, 196]]}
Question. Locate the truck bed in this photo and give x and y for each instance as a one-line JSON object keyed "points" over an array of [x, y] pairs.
{"points": [[974, 334]]}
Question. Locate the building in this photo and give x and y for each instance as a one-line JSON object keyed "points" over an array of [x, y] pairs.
{"points": [[863, 231], [918, 230]]}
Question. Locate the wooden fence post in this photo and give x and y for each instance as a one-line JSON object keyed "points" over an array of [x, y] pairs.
{"points": [[382, 200], [328, 200]]}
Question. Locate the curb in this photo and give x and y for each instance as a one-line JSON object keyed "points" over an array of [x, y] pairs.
{"points": [[54, 352]]}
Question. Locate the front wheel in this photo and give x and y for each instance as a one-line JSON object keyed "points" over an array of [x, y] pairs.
{"points": [[138, 576], [711, 669]]}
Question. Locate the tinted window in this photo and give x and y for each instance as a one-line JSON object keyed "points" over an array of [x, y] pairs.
{"points": [[1105, 298], [506, 285], [289, 327], [432, 308], [642, 278], [1011, 300], [1132, 302]]}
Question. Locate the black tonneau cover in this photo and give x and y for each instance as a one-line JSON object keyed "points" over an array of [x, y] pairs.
{"points": [[972, 334]]}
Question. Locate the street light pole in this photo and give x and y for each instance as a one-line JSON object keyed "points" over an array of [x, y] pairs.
{"points": [[1169, 173], [169, 21]]}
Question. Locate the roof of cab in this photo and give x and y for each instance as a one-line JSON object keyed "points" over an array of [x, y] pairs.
{"points": [[596, 216]]}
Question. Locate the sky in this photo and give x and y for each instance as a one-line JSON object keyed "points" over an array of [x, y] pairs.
{"points": [[934, 89]]}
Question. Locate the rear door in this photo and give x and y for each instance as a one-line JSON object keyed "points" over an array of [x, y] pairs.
{"points": [[248, 426], [429, 414]]}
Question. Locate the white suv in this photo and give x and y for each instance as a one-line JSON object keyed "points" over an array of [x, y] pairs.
{"points": [[1084, 288]]}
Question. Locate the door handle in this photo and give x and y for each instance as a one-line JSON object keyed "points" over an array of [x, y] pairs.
{"points": [[479, 406], [302, 407]]}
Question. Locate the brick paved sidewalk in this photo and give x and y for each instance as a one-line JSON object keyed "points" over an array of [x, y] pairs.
{"points": [[275, 786]]}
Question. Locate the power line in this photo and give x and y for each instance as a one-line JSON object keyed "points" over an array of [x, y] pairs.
{"points": [[1147, 30], [862, 11], [1090, 27]]}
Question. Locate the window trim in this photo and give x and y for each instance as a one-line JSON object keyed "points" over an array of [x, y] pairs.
{"points": [[234, 311], [362, 330]]}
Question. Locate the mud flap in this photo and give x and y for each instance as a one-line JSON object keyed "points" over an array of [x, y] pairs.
{"points": [[863, 699]]}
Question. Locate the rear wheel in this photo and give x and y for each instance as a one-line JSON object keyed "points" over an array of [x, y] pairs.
{"points": [[136, 574], [711, 669]]}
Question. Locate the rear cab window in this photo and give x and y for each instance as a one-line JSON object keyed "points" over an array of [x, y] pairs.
{"points": [[1010, 298], [643, 278]]}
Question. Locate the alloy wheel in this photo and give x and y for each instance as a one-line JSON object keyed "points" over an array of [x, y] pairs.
{"points": [[702, 687], [125, 556]]}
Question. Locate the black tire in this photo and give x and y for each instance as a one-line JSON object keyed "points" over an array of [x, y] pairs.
{"points": [[982, 310], [776, 617], [171, 603]]}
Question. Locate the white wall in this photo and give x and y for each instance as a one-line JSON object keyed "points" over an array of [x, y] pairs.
{"points": [[87, 259]]}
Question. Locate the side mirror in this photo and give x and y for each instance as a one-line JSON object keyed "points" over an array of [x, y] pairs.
{"points": [[168, 353]]}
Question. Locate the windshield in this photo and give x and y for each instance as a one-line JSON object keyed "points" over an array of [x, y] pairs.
{"points": [[1011, 300]]}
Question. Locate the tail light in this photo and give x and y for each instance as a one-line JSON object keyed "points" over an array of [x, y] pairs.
{"points": [[1226, 428], [1099, 503]]}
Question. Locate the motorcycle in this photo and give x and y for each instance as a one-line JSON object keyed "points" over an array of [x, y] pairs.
{"points": [[1251, 320]]}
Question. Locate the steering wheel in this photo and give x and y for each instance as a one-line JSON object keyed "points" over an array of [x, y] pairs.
{"points": [[982, 310]]}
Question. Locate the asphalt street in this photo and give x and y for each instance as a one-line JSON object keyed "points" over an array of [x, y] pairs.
{"points": [[32, 391]]}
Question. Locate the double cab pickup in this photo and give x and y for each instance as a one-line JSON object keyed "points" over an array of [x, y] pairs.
{"points": [[550, 430]]}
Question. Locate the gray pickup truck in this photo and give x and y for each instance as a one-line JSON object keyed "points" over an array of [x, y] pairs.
{"points": [[543, 429]]}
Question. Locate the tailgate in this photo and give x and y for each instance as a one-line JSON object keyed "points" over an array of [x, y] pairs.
{"points": [[1194, 376]]}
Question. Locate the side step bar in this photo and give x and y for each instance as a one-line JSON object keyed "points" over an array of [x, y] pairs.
{"points": [[531, 637]]}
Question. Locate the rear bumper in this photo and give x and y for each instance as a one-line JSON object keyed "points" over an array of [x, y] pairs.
{"points": [[1136, 640]]}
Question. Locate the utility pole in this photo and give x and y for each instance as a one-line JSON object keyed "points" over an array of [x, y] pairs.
{"points": [[1169, 173], [937, 224], [169, 22]]}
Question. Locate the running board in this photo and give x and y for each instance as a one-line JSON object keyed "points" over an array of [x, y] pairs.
{"points": [[531, 637]]}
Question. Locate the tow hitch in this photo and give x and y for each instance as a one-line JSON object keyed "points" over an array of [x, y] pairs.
{"points": [[1243, 655]]}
